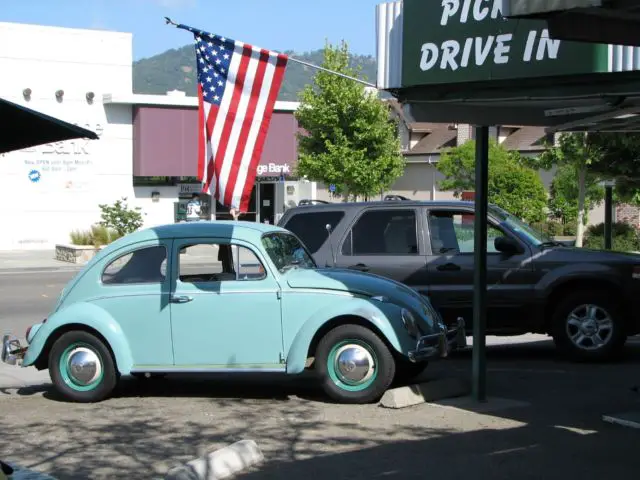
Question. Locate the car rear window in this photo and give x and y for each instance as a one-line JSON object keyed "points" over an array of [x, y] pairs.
{"points": [[310, 227]]}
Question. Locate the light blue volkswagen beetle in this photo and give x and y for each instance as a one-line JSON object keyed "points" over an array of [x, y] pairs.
{"points": [[229, 297]]}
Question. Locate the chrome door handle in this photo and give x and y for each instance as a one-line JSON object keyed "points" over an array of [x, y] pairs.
{"points": [[180, 299]]}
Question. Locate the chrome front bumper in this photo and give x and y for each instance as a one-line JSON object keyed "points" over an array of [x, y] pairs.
{"points": [[440, 344], [12, 351]]}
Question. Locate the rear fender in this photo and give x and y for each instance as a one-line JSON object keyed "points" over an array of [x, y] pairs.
{"points": [[87, 315]]}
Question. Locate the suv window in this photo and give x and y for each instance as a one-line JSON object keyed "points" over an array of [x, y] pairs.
{"points": [[310, 227], [213, 262], [383, 232], [145, 265], [453, 232]]}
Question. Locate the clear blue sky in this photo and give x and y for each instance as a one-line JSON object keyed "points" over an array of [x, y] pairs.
{"points": [[299, 25]]}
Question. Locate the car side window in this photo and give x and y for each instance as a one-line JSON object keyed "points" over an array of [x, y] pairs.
{"points": [[145, 265], [453, 232], [311, 227], [218, 262], [383, 232]]}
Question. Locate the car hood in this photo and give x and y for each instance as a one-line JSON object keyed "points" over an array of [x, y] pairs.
{"points": [[345, 280]]}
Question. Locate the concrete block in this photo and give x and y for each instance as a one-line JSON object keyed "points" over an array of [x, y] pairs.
{"points": [[431, 391], [219, 464], [627, 419]]}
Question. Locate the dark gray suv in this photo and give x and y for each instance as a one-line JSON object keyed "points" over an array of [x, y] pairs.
{"points": [[588, 300]]}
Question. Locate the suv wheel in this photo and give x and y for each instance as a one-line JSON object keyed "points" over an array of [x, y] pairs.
{"points": [[354, 364], [588, 325]]}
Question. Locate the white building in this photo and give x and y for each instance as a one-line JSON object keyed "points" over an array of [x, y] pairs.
{"points": [[85, 77]]}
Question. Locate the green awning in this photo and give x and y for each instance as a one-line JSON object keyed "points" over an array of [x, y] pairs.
{"points": [[22, 127]]}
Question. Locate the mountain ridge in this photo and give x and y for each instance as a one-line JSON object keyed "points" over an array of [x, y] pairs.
{"points": [[175, 69]]}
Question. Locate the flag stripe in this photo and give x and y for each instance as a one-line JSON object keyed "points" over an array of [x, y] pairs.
{"points": [[221, 164], [273, 90], [236, 142], [244, 146]]}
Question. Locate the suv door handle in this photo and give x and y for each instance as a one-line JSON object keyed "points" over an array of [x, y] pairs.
{"points": [[448, 267], [180, 299], [359, 266]]}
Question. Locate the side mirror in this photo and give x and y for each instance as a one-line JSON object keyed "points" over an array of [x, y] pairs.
{"points": [[507, 245]]}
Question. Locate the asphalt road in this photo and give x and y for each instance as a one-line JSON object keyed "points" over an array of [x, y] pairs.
{"points": [[26, 297], [551, 428]]}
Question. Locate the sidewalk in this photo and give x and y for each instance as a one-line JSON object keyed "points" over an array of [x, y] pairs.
{"points": [[33, 260]]}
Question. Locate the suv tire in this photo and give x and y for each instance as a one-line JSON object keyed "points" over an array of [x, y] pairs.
{"points": [[588, 325]]}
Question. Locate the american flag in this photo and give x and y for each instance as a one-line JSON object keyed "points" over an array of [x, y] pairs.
{"points": [[237, 89]]}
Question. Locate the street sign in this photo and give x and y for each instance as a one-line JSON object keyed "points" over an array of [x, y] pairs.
{"points": [[332, 188]]}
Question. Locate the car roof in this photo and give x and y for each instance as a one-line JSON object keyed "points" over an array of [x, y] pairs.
{"points": [[205, 228], [384, 203]]}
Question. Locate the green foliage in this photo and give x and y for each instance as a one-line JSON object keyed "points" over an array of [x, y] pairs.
{"points": [[554, 228], [176, 69], [563, 201], [81, 237], [120, 217], [98, 236], [625, 237], [513, 186], [350, 139], [619, 159]]}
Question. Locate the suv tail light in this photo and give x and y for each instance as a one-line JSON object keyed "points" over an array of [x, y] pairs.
{"points": [[635, 274]]}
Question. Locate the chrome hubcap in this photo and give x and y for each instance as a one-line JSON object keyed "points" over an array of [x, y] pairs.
{"points": [[354, 364], [84, 366], [589, 327]]}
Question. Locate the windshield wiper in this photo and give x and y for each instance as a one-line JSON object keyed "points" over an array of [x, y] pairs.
{"points": [[290, 265], [552, 243]]}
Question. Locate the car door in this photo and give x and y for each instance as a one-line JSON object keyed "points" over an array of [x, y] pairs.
{"points": [[386, 241], [134, 289], [451, 270], [225, 307]]}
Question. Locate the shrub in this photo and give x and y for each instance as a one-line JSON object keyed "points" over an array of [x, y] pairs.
{"points": [[625, 237], [102, 235], [120, 217], [81, 237]]}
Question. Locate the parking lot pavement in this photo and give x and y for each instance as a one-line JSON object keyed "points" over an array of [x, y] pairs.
{"points": [[151, 425]]}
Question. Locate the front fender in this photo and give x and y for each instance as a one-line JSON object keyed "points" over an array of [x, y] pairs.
{"points": [[581, 271], [89, 315], [379, 314]]}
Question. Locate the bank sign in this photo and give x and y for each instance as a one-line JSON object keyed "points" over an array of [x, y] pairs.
{"points": [[454, 41]]}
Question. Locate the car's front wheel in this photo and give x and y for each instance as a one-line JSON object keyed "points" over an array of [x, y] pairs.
{"points": [[354, 364], [588, 325], [82, 368]]}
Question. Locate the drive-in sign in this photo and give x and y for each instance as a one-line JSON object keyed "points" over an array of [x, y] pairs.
{"points": [[449, 41]]}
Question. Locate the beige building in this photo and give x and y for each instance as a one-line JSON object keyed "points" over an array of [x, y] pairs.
{"points": [[422, 144]]}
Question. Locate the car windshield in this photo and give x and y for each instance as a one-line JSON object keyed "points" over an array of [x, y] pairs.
{"points": [[534, 236], [286, 251]]}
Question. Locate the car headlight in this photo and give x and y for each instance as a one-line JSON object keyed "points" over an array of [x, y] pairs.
{"points": [[409, 322]]}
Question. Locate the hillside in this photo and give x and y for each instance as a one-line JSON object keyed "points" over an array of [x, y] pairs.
{"points": [[175, 69]]}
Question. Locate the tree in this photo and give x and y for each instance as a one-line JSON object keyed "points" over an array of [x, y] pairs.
{"points": [[120, 217], [573, 149], [512, 185], [619, 159], [563, 201], [350, 140]]}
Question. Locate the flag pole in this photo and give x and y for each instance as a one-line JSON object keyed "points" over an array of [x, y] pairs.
{"points": [[168, 21]]}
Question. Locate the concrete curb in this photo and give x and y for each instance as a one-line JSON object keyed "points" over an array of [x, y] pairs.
{"points": [[219, 464], [431, 391], [627, 419]]}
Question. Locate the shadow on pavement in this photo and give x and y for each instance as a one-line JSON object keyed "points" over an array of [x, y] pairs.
{"points": [[558, 434]]}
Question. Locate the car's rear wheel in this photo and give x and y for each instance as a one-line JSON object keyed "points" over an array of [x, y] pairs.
{"points": [[588, 325], [354, 364], [82, 368]]}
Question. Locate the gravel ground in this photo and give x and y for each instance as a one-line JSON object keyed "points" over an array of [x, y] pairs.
{"points": [[149, 426]]}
